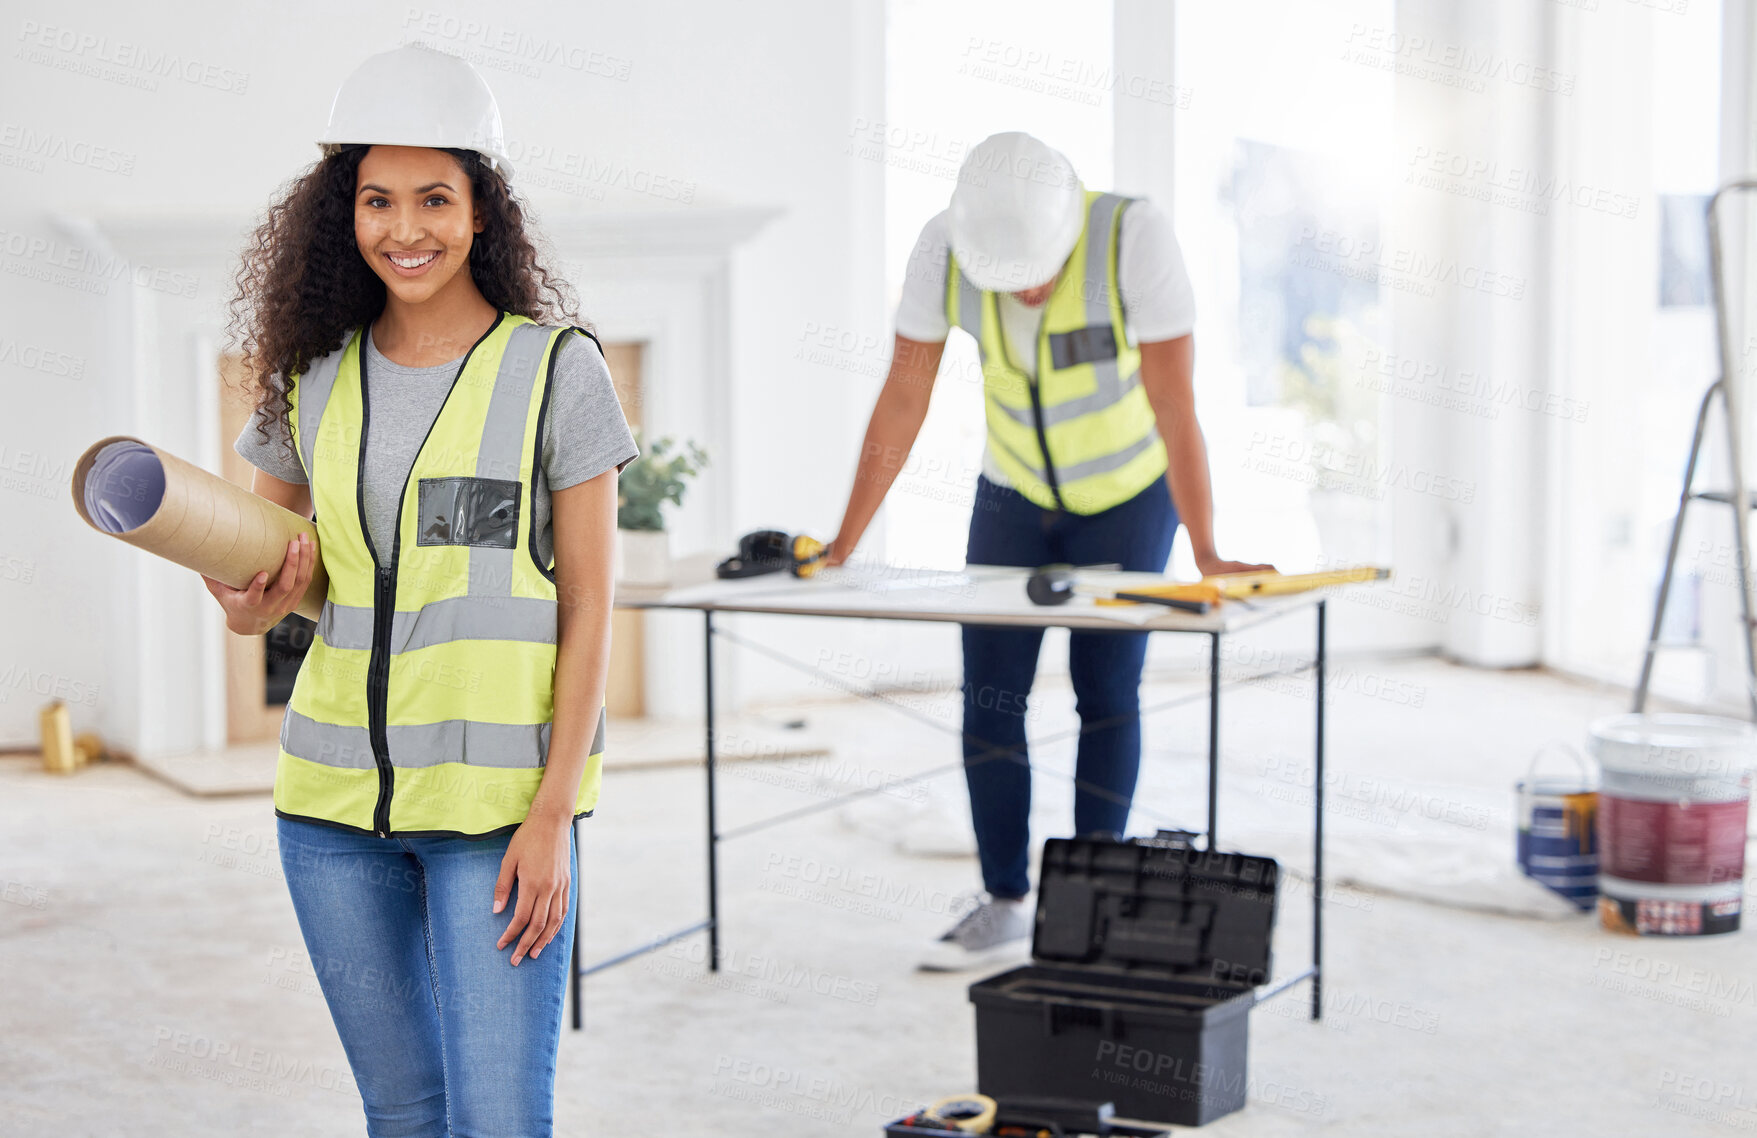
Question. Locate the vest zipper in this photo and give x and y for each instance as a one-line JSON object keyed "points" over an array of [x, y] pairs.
{"points": [[384, 588], [384, 603], [1036, 400], [1043, 445]]}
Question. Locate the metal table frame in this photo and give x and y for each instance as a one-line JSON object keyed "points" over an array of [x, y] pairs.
{"points": [[711, 925]]}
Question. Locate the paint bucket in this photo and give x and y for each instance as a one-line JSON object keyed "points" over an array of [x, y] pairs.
{"points": [[1672, 816], [1557, 843]]}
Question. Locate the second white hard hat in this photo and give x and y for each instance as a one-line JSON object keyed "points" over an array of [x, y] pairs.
{"points": [[417, 95], [1016, 213]]}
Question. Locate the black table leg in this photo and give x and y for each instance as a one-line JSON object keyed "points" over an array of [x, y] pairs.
{"points": [[713, 827], [1318, 832], [1213, 737], [579, 888], [712, 924]]}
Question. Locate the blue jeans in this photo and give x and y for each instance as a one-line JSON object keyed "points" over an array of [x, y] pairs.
{"points": [[445, 1037], [1000, 664]]}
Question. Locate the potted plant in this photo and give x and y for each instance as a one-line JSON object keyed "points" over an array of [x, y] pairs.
{"points": [[643, 555]]}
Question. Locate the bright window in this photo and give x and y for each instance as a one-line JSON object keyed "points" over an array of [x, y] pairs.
{"points": [[1282, 156]]}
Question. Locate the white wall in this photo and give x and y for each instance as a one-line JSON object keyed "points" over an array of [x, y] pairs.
{"points": [[1486, 319], [749, 104]]}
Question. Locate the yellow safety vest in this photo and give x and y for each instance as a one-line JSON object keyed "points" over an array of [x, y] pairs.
{"points": [[1082, 438], [424, 705]]}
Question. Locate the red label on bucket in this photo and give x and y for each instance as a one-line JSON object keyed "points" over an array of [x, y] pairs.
{"points": [[1675, 843]]}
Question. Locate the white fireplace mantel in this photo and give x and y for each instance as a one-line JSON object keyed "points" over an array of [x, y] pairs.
{"points": [[660, 277]]}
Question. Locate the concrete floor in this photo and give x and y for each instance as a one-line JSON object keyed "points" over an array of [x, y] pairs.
{"points": [[144, 929]]}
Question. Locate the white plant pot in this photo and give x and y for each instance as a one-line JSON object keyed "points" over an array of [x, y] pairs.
{"points": [[643, 557]]}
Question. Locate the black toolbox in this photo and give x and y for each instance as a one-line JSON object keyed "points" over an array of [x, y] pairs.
{"points": [[1145, 956]]}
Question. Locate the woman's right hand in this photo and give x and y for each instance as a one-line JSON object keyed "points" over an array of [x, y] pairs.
{"points": [[258, 607]]}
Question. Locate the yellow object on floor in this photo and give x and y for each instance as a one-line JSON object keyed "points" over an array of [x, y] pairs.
{"points": [[58, 753]]}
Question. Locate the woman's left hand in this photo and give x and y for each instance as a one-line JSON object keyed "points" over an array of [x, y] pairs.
{"points": [[538, 858], [1214, 565]]}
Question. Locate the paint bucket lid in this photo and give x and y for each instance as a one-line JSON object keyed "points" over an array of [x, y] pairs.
{"points": [[1673, 746], [1554, 786]]}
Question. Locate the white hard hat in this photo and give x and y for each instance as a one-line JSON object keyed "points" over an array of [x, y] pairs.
{"points": [[1016, 213], [417, 95]]}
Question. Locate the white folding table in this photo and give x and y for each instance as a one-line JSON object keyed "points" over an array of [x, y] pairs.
{"points": [[983, 595]]}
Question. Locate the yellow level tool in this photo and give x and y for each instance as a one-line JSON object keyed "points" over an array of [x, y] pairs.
{"points": [[1241, 586]]}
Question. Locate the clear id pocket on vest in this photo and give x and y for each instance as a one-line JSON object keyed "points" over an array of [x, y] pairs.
{"points": [[1082, 346], [469, 511]]}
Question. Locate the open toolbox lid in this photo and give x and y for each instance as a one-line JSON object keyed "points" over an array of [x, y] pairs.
{"points": [[1156, 906]]}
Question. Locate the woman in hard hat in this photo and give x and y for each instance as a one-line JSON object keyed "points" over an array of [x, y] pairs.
{"points": [[419, 388], [1082, 314]]}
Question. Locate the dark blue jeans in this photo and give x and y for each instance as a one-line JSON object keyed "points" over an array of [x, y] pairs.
{"points": [[1001, 662]]}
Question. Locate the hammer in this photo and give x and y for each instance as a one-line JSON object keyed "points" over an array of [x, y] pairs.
{"points": [[1056, 585]]}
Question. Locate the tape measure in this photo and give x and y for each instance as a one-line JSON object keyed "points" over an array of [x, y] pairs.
{"points": [[808, 555], [771, 551], [1242, 586], [973, 1114]]}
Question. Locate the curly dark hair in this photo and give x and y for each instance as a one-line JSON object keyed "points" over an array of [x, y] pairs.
{"points": [[303, 286]]}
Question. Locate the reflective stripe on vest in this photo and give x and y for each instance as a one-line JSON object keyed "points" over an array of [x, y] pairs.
{"points": [[424, 705], [1087, 408]]}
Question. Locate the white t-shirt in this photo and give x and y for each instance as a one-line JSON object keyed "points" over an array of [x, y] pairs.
{"points": [[1158, 303]]}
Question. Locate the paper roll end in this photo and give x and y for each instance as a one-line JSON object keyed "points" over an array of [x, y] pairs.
{"points": [[82, 470]]}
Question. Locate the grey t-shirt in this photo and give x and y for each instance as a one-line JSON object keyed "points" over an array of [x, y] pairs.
{"points": [[584, 434]]}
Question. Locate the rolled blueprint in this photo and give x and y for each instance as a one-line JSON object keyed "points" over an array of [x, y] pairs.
{"points": [[157, 502]]}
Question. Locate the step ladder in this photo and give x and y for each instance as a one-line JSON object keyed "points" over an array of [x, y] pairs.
{"points": [[1727, 391]]}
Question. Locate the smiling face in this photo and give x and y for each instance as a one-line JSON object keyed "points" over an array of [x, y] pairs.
{"points": [[414, 219]]}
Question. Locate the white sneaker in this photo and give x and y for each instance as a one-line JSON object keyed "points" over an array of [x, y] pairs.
{"points": [[995, 931]]}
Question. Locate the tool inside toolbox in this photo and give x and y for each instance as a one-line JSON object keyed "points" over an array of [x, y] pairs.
{"points": [[1037, 1118]]}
